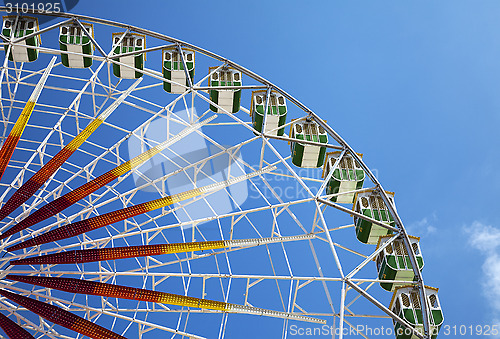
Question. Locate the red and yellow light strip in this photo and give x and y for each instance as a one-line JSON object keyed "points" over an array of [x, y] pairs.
{"points": [[29, 188], [62, 317], [102, 254], [13, 330], [93, 223], [81, 192], [81, 286], [15, 134]]}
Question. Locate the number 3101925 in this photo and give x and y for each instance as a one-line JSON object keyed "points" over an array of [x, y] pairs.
{"points": [[470, 330], [23, 7]]}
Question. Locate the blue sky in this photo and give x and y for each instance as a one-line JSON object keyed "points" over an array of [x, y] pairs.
{"points": [[412, 85]]}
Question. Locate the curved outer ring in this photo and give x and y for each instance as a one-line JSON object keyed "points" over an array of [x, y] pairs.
{"points": [[335, 135]]}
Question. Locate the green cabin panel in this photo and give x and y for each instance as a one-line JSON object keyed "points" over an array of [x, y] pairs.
{"points": [[411, 311], [348, 176], [236, 100], [394, 263], [297, 154], [306, 155], [172, 64], [257, 121], [228, 100], [365, 228], [77, 44], [136, 61], [371, 205], [276, 113], [31, 53], [321, 157]]}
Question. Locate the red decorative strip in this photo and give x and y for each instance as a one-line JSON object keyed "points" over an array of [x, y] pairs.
{"points": [[93, 223], [62, 317], [13, 330], [102, 254], [29, 188], [61, 203]]}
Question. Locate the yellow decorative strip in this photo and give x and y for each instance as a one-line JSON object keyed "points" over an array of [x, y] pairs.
{"points": [[87, 287], [81, 192], [22, 121], [116, 253], [29, 188], [11, 141]]}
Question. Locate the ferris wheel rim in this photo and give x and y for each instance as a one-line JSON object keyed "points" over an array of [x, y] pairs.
{"points": [[270, 86]]}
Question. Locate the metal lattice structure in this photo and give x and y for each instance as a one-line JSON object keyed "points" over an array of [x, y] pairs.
{"points": [[189, 197]]}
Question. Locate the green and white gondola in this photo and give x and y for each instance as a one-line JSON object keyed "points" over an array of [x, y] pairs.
{"points": [[22, 51], [132, 42], [228, 99], [406, 304], [348, 176], [306, 155], [276, 112], [393, 263], [370, 204], [173, 69], [73, 39]]}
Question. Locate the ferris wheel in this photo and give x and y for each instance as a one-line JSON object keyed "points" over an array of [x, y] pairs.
{"points": [[150, 187]]}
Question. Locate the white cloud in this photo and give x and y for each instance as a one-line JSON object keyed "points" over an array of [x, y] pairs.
{"points": [[486, 239], [423, 227], [491, 269]]}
